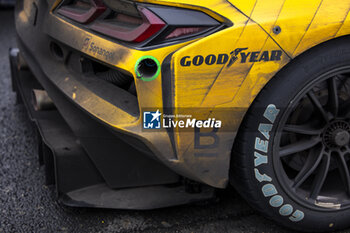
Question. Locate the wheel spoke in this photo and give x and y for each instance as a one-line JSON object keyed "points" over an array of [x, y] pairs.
{"points": [[344, 108], [314, 143], [333, 101], [320, 176], [302, 129], [344, 172], [342, 80], [318, 105], [299, 146], [312, 162]]}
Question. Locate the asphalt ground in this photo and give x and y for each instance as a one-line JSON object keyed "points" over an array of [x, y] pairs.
{"points": [[27, 205]]}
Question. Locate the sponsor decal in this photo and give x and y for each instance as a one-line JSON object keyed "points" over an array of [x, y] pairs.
{"points": [[203, 149], [95, 49], [234, 56], [243, 55], [269, 190], [152, 120]]}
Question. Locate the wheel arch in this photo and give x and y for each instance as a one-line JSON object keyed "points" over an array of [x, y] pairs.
{"points": [[245, 143], [288, 67]]}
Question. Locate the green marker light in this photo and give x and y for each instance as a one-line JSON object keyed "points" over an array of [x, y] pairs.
{"points": [[147, 68]]}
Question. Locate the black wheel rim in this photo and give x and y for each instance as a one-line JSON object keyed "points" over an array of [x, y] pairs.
{"points": [[311, 152]]}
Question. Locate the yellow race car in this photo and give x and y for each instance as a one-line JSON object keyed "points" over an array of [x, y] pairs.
{"points": [[147, 104]]}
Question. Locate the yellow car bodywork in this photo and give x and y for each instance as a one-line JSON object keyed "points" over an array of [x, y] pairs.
{"points": [[301, 25]]}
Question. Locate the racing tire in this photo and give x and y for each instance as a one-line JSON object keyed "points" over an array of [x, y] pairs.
{"points": [[291, 156]]}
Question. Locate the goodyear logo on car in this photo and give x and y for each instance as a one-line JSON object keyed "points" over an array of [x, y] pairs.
{"points": [[239, 54]]}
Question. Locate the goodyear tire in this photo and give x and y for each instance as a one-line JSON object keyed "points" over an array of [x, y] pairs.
{"points": [[291, 156]]}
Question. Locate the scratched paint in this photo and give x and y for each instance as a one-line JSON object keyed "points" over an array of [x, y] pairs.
{"points": [[303, 24]]}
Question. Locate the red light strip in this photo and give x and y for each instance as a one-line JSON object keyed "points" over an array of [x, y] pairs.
{"points": [[97, 8], [150, 26]]}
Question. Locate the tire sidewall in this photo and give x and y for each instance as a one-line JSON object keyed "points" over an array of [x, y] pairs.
{"points": [[278, 95]]}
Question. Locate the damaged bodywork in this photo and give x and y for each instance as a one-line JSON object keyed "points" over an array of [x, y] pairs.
{"points": [[96, 142]]}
